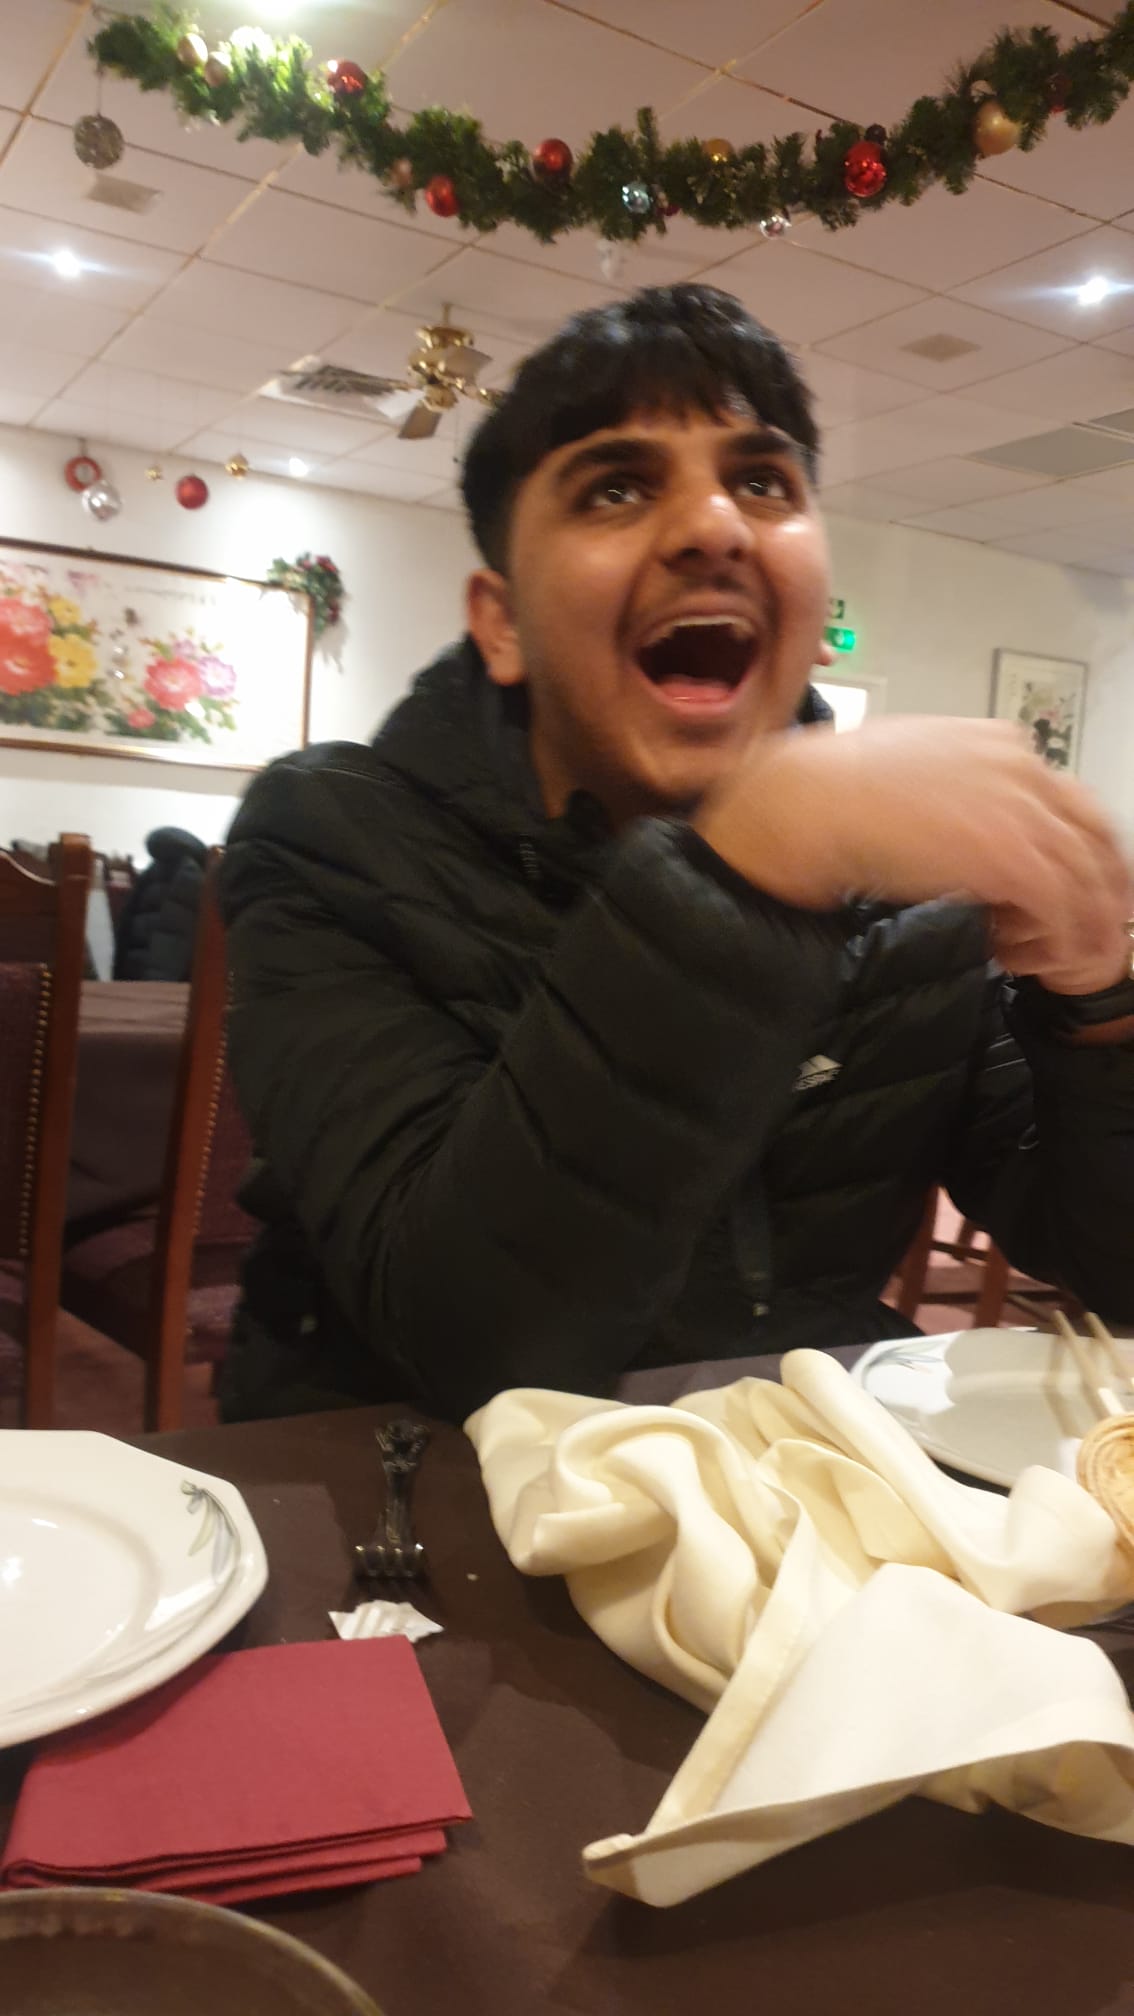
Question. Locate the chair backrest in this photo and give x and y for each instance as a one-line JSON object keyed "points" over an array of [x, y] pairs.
{"points": [[42, 943], [209, 1149]]}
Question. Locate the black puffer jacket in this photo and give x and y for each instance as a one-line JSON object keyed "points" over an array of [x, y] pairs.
{"points": [[157, 928], [535, 1104]]}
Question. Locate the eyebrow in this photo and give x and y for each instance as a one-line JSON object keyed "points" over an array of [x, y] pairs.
{"points": [[619, 449]]}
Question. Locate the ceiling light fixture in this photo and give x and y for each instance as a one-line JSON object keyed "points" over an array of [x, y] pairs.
{"points": [[1094, 290], [296, 466], [66, 264]]}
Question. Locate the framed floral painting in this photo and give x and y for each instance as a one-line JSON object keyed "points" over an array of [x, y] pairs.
{"points": [[1045, 696], [136, 658]]}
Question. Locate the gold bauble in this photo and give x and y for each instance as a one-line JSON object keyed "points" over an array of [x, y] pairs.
{"points": [[237, 465], [154, 473], [192, 50], [401, 173], [719, 150], [218, 69], [993, 131]]}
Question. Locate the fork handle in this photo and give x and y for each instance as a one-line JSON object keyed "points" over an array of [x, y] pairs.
{"points": [[397, 1521]]}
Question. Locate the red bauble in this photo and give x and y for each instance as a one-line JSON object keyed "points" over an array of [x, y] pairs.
{"points": [[553, 160], [668, 209], [192, 492], [346, 79], [441, 196], [864, 169], [81, 471]]}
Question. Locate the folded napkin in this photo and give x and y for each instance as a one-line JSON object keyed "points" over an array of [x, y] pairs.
{"points": [[293, 1767], [852, 1620]]}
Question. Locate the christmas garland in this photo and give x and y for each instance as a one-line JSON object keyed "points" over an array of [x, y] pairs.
{"points": [[621, 183], [317, 577]]}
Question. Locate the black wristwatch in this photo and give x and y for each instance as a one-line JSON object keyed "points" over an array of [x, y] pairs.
{"points": [[1067, 1014]]}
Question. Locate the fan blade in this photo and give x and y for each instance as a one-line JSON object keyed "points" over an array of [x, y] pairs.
{"points": [[421, 423], [396, 403], [473, 361]]}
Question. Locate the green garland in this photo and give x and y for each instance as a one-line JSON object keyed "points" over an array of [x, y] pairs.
{"points": [[622, 183]]}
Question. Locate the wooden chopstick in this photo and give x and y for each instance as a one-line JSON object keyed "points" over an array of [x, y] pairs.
{"points": [[1113, 1356], [1105, 1401]]}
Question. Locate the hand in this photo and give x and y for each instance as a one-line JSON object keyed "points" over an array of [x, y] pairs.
{"points": [[909, 809]]}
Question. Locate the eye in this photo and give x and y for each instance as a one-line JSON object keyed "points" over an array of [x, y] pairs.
{"points": [[768, 482], [612, 493]]}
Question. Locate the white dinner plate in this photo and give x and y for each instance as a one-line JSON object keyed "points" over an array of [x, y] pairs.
{"points": [[986, 1402], [117, 1570]]}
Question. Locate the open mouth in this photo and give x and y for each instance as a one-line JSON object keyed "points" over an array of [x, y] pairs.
{"points": [[700, 662]]}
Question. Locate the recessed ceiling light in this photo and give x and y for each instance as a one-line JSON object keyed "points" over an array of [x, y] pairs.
{"points": [[296, 466], [1094, 290], [66, 264]]}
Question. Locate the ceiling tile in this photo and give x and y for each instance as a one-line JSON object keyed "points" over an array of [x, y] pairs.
{"points": [[997, 344], [170, 405], [738, 112], [201, 356], [954, 480], [115, 273], [294, 319], [1055, 506], [715, 31], [18, 409], [411, 485], [1087, 170], [216, 445], [1070, 548], [337, 251], [298, 428], [944, 240], [1117, 484], [8, 123], [1079, 384], [1044, 289], [33, 367], [845, 392], [503, 297], [345, 186], [982, 522], [31, 37], [150, 121], [923, 432], [804, 296], [446, 500], [655, 260], [869, 59], [438, 456], [865, 500], [41, 173], [529, 70], [92, 420], [46, 317]]}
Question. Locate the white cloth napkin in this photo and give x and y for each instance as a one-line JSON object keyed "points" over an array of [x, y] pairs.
{"points": [[856, 1624]]}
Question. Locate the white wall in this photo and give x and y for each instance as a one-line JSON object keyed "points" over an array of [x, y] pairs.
{"points": [[929, 613], [403, 565]]}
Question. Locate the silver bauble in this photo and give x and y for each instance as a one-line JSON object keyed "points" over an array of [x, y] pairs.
{"points": [[102, 500]]}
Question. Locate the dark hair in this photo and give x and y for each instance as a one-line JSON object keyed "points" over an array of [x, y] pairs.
{"points": [[665, 349]]}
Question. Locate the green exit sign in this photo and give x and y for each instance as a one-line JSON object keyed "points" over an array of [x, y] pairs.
{"points": [[840, 637]]}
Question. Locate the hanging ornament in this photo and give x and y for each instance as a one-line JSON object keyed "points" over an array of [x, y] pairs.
{"points": [[877, 134], [192, 50], [993, 131], [102, 500], [155, 473], [719, 151], [346, 79], [218, 69], [864, 170], [611, 259], [637, 199], [192, 492], [98, 141], [400, 174], [441, 196], [238, 465], [776, 225], [82, 470], [552, 160], [667, 209]]}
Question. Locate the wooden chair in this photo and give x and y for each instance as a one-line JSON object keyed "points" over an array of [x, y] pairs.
{"points": [[42, 942], [981, 1280], [166, 1285]]}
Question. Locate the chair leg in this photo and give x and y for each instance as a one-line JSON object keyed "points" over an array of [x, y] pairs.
{"points": [[911, 1276], [993, 1287]]}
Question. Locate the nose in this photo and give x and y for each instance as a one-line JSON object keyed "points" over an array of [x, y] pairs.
{"points": [[705, 528]]}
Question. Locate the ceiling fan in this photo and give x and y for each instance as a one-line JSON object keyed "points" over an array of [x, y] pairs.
{"points": [[440, 370]]}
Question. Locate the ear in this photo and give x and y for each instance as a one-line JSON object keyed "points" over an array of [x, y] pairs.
{"points": [[491, 622]]}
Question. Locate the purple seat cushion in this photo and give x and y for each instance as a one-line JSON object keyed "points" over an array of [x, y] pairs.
{"points": [[106, 1281]]}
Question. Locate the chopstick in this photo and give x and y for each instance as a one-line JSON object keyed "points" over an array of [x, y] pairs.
{"points": [[1105, 1399], [1111, 1353]]}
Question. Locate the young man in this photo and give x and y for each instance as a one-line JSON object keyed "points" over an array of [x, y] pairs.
{"points": [[599, 1014]]}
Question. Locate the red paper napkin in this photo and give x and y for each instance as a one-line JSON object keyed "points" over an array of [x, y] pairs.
{"points": [[293, 1767]]}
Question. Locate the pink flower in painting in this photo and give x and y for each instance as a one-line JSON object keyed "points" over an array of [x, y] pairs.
{"points": [[140, 717], [25, 661], [23, 621], [219, 678], [173, 682]]}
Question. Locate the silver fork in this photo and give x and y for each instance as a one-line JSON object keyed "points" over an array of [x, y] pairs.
{"points": [[394, 1549]]}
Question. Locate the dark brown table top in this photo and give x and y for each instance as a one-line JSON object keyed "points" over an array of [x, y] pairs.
{"points": [[919, 1910]]}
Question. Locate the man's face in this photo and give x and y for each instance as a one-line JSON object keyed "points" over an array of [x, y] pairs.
{"points": [[667, 589]]}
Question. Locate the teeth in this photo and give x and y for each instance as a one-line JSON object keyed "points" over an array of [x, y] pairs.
{"points": [[739, 628]]}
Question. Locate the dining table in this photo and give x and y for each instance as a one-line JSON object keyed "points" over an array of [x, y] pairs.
{"points": [[920, 1908], [130, 1034]]}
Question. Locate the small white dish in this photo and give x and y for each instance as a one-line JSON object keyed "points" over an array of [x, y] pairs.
{"points": [[117, 1570], [988, 1403]]}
